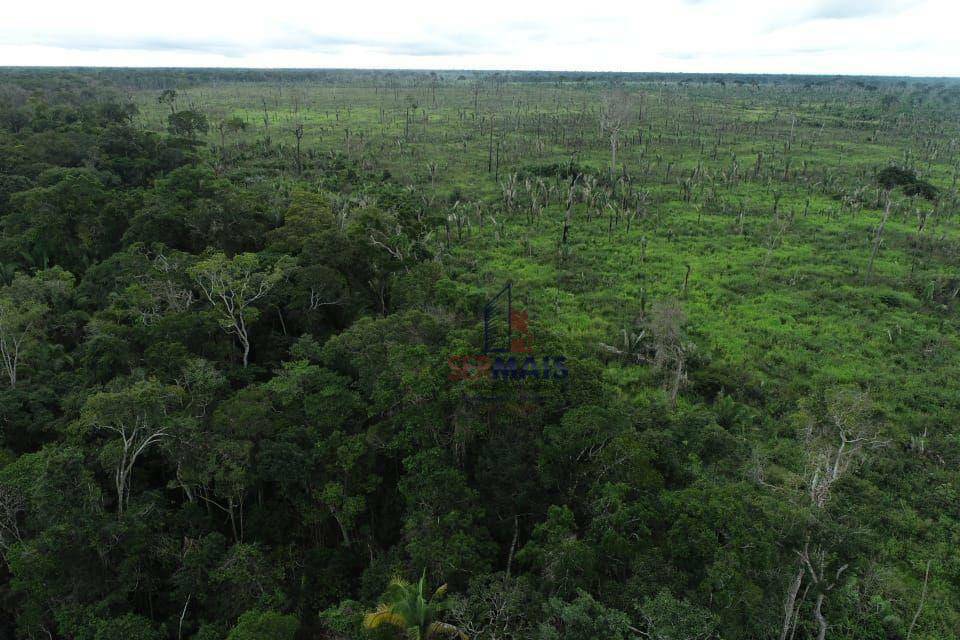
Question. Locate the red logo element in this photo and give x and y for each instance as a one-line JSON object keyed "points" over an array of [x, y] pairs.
{"points": [[515, 341], [519, 324], [468, 367]]}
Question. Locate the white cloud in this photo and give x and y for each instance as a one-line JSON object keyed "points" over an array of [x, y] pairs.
{"points": [[894, 37]]}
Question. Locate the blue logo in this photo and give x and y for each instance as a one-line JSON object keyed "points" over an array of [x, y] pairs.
{"points": [[507, 347]]}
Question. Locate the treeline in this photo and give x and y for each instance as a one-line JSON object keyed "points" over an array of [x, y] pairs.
{"points": [[161, 78]]}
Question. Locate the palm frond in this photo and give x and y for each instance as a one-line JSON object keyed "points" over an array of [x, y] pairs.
{"points": [[396, 590], [383, 615], [399, 581]]}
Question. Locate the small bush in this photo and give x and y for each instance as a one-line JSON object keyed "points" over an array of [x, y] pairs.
{"points": [[893, 177]]}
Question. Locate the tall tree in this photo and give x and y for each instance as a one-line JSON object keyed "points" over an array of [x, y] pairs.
{"points": [[141, 416], [232, 285], [25, 310], [614, 115], [835, 441]]}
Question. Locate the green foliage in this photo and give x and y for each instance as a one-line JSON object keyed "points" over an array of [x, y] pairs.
{"points": [[556, 551], [129, 626], [27, 305], [266, 625], [232, 414], [411, 612], [667, 618], [69, 219], [188, 123], [344, 621], [907, 179], [583, 619], [232, 285]]}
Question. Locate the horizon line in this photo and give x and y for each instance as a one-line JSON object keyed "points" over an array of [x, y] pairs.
{"points": [[7, 67]]}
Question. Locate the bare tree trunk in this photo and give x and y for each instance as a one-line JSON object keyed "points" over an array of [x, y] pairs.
{"points": [[513, 544], [298, 133], [182, 616], [233, 521], [923, 596], [796, 611], [877, 240], [821, 621], [120, 482], [245, 342], [790, 601], [343, 531], [677, 377], [11, 355], [613, 156]]}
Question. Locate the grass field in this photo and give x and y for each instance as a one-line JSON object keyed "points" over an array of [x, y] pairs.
{"points": [[777, 256]]}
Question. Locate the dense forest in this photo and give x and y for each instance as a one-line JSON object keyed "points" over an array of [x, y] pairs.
{"points": [[244, 393]]}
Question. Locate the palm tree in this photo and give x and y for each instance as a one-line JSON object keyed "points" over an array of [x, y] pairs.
{"points": [[406, 608]]}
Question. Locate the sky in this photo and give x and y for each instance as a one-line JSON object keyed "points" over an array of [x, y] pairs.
{"points": [[860, 37]]}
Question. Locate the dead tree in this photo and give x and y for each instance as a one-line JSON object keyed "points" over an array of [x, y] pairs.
{"points": [[877, 239], [298, 133], [614, 115], [670, 344], [834, 445]]}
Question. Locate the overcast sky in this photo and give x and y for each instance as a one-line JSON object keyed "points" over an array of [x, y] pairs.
{"points": [[883, 37]]}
